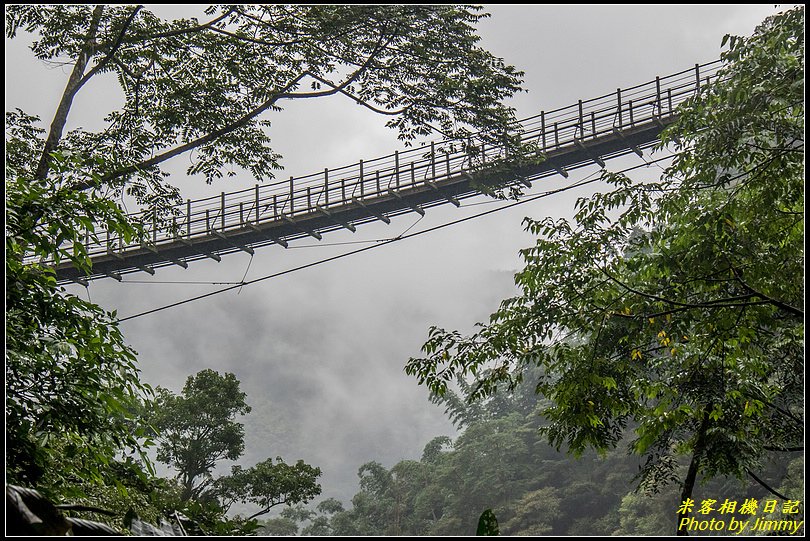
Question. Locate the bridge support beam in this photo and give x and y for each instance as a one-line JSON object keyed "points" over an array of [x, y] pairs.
{"points": [[179, 262], [115, 254], [295, 224], [596, 159], [416, 208], [328, 214], [621, 136], [230, 241], [147, 269], [277, 240], [448, 197], [377, 215]]}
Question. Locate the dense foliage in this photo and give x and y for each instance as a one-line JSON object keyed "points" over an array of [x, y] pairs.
{"points": [[207, 88], [501, 462], [671, 309], [198, 429], [72, 387]]}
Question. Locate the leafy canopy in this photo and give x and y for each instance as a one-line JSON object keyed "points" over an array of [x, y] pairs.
{"points": [[72, 386], [674, 304], [197, 430], [204, 89], [207, 87]]}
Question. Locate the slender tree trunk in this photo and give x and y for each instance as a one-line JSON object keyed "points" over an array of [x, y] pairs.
{"points": [[72, 87], [691, 474]]}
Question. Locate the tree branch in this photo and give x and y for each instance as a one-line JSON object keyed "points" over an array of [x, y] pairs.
{"points": [[342, 90], [238, 123], [110, 54], [181, 31], [255, 41], [72, 87], [765, 485], [708, 304], [783, 449], [779, 304], [266, 509]]}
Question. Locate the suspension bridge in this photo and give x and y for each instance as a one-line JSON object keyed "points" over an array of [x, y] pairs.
{"points": [[586, 132]]}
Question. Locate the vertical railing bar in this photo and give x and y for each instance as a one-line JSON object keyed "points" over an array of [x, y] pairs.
{"points": [[188, 218], [619, 103], [377, 174], [362, 181], [325, 187], [343, 191], [593, 124], [669, 100], [581, 123], [543, 128], [275, 207], [222, 210], [309, 198], [292, 198], [241, 214], [658, 95], [630, 109], [697, 78], [396, 167], [257, 204], [207, 221], [413, 175], [556, 135], [433, 160]]}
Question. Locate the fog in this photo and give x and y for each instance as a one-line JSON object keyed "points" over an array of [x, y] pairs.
{"points": [[320, 352]]}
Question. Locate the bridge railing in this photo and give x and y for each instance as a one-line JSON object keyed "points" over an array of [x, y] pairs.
{"points": [[412, 168]]}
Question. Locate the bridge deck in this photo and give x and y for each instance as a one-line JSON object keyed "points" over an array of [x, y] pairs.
{"points": [[567, 138]]}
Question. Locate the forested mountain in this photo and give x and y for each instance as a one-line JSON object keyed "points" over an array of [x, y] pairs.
{"points": [[501, 461]]}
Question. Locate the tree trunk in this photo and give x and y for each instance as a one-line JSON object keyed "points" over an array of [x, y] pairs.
{"points": [[691, 474], [72, 87]]}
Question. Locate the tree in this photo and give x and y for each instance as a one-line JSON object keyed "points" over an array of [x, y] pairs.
{"points": [[72, 387], [280, 526], [268, 485], [207, 87], [676, 304], [198, 429], [502, 461]]}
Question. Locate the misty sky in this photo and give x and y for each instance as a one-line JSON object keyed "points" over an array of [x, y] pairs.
{"points": [[321, 352]]}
